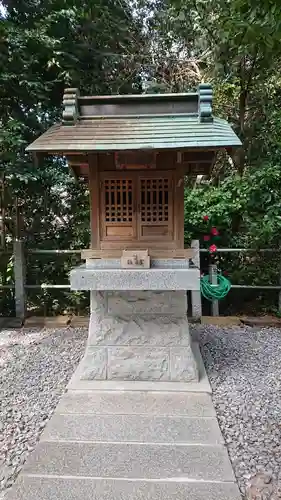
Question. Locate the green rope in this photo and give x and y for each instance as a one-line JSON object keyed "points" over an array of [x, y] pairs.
{"points": [[215, 292]]}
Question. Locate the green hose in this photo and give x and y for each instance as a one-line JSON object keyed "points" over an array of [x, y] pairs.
{"points": [[215, 292]]}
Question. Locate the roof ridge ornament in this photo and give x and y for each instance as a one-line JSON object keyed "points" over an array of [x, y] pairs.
{"points": [[70, 103], [205, 94]]}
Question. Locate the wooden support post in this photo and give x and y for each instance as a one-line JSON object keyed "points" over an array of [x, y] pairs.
{"points": [[196, 303], [213, 274], [19, 273], [279, 294], [94, 201]]}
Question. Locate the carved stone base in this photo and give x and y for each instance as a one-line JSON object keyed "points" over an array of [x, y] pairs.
{"points": [[139, 336]]}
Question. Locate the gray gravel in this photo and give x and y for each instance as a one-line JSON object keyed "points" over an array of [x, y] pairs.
{"points": [[35, 366], [244, 368]]}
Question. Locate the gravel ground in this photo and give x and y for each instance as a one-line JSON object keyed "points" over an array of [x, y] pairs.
{"points": [[35, 367], [244, 368]]}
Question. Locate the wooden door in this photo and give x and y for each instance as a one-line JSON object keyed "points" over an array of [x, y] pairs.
{"points": [[118, 206], [155, 206]]}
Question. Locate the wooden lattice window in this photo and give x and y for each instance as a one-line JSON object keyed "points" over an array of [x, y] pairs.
{"points": [[135, 207], [118, 207], [156, 207], [118, 200], [154, 200]]}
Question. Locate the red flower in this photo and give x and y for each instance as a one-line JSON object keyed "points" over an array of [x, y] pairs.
{"points": [[225, 273], [214, 231], [213, 248], [206, 237], [206, 217]]}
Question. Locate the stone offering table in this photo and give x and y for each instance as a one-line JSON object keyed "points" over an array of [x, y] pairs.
{"points": [[138, 324]]}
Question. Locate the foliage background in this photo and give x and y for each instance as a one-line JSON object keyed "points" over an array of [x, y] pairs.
{"points": [[108, 46]]}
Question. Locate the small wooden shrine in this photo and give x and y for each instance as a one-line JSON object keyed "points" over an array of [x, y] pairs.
{"points": [[135, 151]]}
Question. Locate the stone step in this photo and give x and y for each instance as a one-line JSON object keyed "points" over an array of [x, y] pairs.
{"points": [[135, 461], [40, 488], [137, 402], [133, 428]]}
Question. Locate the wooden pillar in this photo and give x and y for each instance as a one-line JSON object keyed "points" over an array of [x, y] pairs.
{"points": [[279, 294], [213, 273], [179, 207], [196, 303], [19, 272], [94, 189]]}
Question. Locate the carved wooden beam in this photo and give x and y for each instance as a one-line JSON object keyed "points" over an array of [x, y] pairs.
{"points": [[70, 104], [205, 100]]}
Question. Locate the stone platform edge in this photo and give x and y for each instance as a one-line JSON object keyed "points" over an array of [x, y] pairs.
{"points": [[83, 321], [157, 279], [76, 384]]}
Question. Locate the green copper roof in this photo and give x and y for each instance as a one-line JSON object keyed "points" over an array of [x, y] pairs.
{"points": [[111, 123], [137, 133]]}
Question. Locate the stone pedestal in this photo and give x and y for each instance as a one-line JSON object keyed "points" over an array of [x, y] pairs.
{"points": [[139, 335]]}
